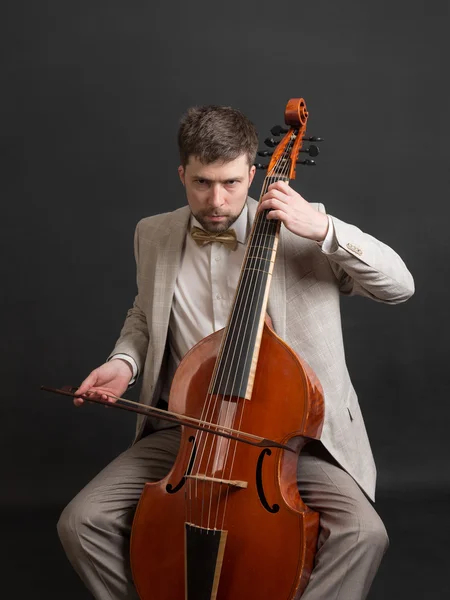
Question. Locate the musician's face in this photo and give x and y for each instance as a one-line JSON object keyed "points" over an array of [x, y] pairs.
{"points": [[217, 192]]}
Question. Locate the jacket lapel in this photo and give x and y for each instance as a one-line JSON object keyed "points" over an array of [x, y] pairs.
{"points": [[167, 264]]}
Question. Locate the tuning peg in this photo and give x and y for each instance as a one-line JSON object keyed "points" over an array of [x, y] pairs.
{"points": [[311, 150], [307, 162], [313, 138], [260, 166], [271, 142], [264, 153], [276, 130]]}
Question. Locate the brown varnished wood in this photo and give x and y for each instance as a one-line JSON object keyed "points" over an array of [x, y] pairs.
{"points": [[271, 535], [296, 113], [267, 556], [296, 116]]}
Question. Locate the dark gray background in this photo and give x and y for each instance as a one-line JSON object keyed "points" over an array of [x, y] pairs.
{"points": [[91, 97]]}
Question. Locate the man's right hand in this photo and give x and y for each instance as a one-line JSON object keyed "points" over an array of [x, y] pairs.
{"points": [[111, 378]]}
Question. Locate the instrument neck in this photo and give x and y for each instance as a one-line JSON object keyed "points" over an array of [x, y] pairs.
{"points": [[238, 356]]}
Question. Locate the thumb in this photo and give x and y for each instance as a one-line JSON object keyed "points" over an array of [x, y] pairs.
{"points": [[88, 383]]}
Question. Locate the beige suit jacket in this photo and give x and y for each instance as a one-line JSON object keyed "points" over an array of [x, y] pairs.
{"points": [[304, 294]]}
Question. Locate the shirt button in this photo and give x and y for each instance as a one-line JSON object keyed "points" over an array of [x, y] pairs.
{"points": [[217, 258], [219, 297]]}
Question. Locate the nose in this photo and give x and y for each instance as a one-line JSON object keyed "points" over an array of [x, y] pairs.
{"points": [[215, 196]]}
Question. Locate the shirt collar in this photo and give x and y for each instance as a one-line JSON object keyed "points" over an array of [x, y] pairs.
{"points": [[240, 225]]}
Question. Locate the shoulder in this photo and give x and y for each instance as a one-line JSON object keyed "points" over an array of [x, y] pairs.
{"points": [[163, 223]]}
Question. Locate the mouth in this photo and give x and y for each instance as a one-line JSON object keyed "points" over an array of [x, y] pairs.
{"points": [[216, 218]]}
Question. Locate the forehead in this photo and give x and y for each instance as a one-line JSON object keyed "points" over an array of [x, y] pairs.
{"points": [[219, 169]]}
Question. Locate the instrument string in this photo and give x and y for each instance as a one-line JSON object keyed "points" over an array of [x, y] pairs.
{"points": [[259, 233], [265, 227], [255, 249], [222, 358]]}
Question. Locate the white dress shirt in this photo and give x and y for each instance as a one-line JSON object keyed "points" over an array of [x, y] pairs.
{"points": [[204, 292]]}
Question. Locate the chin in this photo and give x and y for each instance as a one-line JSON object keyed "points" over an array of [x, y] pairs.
{"points": [[216, 227]]}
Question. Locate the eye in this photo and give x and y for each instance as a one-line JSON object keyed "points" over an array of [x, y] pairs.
{"points": [[201, 181], [231, 182]]}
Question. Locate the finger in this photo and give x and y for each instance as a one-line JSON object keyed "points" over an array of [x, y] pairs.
{"points": [[277, 195], [282, 187], [78, 401], [88, 383], [93, 394], [103, 394], [277, 214], [273, 203], [97, 393]]}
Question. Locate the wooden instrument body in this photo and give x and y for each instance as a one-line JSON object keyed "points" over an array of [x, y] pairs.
{"points": [[267, 555]]}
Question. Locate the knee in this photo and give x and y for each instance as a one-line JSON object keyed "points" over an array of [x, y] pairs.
{"points": [[76, 524], [69, 526]]}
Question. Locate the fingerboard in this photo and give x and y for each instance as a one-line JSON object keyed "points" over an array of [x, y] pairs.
{"points": [[236, 364]]}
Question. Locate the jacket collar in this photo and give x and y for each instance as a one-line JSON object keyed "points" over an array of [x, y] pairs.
{"points": [[168, 261]]}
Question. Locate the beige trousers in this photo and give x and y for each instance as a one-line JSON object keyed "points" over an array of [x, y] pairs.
{"points": [[95, 527]]}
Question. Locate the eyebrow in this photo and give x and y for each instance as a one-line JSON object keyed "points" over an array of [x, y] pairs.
{"points": [[236, 178]]}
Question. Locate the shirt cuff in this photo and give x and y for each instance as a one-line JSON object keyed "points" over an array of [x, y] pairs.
{"points": [[329, 244], [127, 358]]}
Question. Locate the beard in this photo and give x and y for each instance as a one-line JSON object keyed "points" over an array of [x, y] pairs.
{"points": [[211, 226]]}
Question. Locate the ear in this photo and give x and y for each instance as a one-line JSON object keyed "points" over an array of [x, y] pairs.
{"points": [[181, 174], [251, 174]]}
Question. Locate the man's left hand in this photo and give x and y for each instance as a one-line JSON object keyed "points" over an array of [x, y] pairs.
{"points": [[294, 211]]}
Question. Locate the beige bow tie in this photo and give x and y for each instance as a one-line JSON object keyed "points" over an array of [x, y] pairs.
{"points": [[202, 237]]}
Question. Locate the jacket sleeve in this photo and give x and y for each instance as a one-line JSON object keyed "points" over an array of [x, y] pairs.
{"points": [[134, 335], [367, 267]]}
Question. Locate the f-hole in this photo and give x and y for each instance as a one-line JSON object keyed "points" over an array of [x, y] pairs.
{"points": [[169, 487], [259, 483]]}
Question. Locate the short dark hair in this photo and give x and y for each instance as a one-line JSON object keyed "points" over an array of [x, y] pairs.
{"points": [[213, 133]]}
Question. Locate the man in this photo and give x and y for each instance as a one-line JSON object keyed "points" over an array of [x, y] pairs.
{"points": [[185, 291]]}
